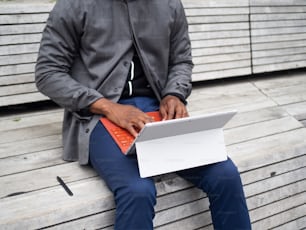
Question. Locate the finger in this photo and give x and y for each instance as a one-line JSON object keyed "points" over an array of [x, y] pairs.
{"points": [[171, 111], [163, 112], [181, 112], [132, 130]]}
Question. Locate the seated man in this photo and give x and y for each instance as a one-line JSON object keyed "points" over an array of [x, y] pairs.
{"points": [[119, 59]]}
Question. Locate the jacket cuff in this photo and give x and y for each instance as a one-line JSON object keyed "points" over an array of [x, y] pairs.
{"points": [[179, 96]]}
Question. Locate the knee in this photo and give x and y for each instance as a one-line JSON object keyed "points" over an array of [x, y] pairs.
{"points": [[230, 171], [226, 176], [143, 189]]}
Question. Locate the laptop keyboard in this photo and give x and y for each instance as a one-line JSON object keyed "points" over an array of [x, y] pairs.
{"points": [[124, 137], [121, 136]]}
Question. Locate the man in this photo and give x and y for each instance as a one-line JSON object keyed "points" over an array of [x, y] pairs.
{"points": [[119, 59]]}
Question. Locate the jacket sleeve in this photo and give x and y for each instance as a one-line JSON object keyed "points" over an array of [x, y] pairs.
{"points": [[58, 49], [180, 58]]}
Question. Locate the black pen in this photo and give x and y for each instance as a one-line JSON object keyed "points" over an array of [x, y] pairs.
{"points": [[62, 183]]}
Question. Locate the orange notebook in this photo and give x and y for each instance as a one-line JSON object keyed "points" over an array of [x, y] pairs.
{"points": [[121, 136]]}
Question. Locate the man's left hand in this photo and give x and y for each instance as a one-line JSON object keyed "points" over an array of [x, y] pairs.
{"points": [[171, 107]]}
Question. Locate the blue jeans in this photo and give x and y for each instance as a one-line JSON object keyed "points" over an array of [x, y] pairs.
{"points": [[135, 197]]}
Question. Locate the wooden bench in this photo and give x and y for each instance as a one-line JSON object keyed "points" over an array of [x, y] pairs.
{"points": [[220, 36], [266, 139], [278, 30]]}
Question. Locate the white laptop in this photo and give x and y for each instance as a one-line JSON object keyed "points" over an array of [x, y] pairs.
{"points": [[178, 144]]}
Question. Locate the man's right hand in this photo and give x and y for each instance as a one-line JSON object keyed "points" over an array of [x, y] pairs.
{"points": [[125, 116]]}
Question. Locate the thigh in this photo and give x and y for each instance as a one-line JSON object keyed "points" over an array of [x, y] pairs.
{"points": [[106, 158], [116, 169], [209, 176]]}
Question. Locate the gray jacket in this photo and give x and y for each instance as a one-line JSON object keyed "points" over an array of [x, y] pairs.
{"points": [[85, 55]]}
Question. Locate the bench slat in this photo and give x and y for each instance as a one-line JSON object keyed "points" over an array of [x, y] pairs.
{"points": [[22, 29], [279, 66], [20, 39], [214, 3], [23, 18], [277, 3], [19, 49], [22, 98], [21, 8], [16, 79], [283, 9]]}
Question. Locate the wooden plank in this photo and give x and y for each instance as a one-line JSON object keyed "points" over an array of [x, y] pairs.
{"points": [[35, 145], [216, 11], [276, 17], [214, 3], [22, 8], [284, 79], [16, 79], [280, 193], [16, 113], [275, 182], [299, 223], [104, 220], [220, 58], [280, 9], [298, 110], [46, 213], [276, 169], [17, 89], [279, 66], [221, 50], [277, 3], [271, 221], [22, 134], [267, 150], [277, 45], [226, 65], [28, 162], [22, 98], [221, 74], [219, 34], [229, 96], [182, 212], [22, 29], [19, 49], [20, 39], [6, 19], [278, 220], [256, 116], [17, 59], [37, 178], [17, 69], [20, 122], [279, 30], [287, 95], [220, 42], [219, 27], [279, 59], [277, 24], [193, 222], [260, 130], [277, 52], [217, 19]]}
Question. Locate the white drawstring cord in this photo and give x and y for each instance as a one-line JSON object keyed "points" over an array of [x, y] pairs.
{"points": [[131, 79]]}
